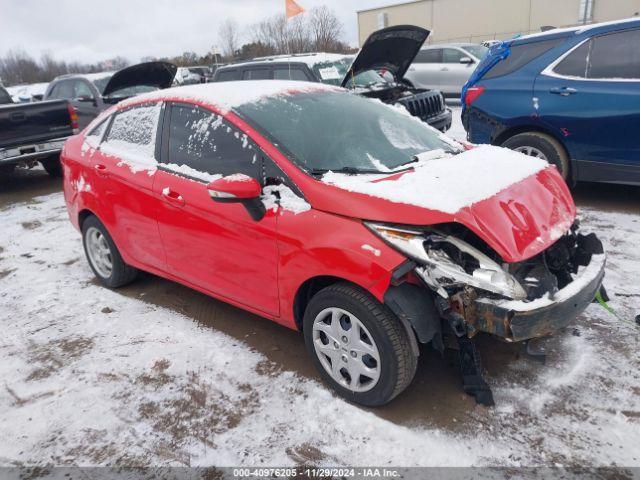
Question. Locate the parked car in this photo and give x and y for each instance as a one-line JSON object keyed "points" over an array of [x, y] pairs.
{"points": [[570, 96], [92, 93], [376, 72], [27, 93], [331, 214], [191, 75], [445, 67], [33, 132]]}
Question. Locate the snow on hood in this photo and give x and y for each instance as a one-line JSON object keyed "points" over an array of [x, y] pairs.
{"points": [[228, 95], [447, 184]]}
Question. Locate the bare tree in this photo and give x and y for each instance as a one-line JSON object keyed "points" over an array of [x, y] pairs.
{"points": [[326, 29], [229, 37]]}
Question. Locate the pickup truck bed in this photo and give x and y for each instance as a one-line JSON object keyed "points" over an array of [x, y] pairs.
{"points": [[31, 132]]}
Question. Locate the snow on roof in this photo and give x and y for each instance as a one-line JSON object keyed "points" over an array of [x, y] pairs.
{"points": [[310, 59], [579, 29], [447, 184], [19, 92], [228, 95]]}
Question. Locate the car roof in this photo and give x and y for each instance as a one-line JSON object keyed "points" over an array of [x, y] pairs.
{"points": [[445, 45], [227, 95], [310, 59], [582, 30], [92, 77]]}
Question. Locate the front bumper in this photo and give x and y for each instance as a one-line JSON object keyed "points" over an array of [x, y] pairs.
{"points": [[516, 321], [442, 121]]}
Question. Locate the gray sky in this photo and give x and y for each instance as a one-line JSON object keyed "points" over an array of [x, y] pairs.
{"points": [[94, 30]]}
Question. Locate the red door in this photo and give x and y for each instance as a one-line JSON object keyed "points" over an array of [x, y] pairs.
{"points": [[215, 246], [125, 165]]}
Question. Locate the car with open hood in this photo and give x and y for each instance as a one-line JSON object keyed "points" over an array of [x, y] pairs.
{"points": [[376, 72], [349, 220], [92, 93]]}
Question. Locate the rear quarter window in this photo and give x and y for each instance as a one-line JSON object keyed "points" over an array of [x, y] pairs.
{"points": [[227, 75], [521, 55]]}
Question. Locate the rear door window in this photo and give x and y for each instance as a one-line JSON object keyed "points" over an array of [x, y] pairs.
{"points": [[615, 56], [257, 74], [203, 145], [521, 55], [574, 64], [433, 55], [132, 135], [452, 55], [294, 73]]}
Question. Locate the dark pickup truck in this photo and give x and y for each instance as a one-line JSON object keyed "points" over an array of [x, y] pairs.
{"points": [[34, 132]]}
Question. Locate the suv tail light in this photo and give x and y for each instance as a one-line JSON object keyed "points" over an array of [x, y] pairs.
{"points": [[74, 118], [472, 94]]}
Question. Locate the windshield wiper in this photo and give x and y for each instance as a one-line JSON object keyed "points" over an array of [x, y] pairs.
{"points": [[347, 170]]}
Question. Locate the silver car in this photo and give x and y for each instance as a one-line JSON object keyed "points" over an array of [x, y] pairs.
{"points": [[445, 67]]}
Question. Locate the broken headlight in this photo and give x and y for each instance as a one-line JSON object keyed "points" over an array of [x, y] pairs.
{"points": [[446, 261]]}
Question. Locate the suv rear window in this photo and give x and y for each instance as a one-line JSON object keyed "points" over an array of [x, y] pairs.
{"points": [[227, 75], [521, 55]]}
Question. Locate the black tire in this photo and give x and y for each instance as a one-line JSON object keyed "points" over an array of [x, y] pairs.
{"points": [[398, 362], [549, 146], [121, 273], [5, 172], [52, 166]]}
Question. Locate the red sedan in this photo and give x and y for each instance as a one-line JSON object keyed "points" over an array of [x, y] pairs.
{"points": [[336, 215]]}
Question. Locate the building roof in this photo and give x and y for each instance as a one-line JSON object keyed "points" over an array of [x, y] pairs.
{"points": [[390, 6]]}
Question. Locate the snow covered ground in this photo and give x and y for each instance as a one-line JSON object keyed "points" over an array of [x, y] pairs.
{"points": [[98, 377]]}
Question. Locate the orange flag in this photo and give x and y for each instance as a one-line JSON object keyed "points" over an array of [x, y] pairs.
{"points": [[292, 8]]}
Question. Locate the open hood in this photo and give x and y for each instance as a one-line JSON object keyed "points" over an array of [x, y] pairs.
{"points": [[392, 49], [517, 205], [151, 74]]}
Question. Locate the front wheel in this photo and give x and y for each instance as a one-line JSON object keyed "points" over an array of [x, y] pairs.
{"points": [[103, 256], [359, 347], [541, 146]]}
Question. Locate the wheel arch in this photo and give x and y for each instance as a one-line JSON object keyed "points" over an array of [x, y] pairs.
{"points": [[308, 289], [528, 128]]}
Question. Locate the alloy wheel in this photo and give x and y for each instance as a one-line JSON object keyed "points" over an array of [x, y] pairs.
{"points": [[99, 252]]}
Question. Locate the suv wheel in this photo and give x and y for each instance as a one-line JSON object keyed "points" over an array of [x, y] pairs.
{"points": [[52, 166], [358, 346], [542, 146], [103, 256]]}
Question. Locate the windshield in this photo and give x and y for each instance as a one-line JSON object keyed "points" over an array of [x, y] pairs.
{"points": [[101, 84], [477, 51], [339, 131], [333, 73]]}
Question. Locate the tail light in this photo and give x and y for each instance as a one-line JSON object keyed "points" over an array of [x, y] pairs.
{"points": [[74, 118], [472, 94]]}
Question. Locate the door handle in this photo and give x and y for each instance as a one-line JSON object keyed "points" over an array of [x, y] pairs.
{"points": [[101, 170], [564, 91], [173, 197], [444, 69]]}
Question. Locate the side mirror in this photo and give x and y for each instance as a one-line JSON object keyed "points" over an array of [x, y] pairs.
{"points": [[466, 60], [239, 188], [86, 99]]}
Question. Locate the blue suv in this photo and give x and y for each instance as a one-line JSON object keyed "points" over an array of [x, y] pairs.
{"points": [[571, 96]]}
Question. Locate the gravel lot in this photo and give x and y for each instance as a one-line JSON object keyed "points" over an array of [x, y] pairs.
{"points": [[156, 374]]}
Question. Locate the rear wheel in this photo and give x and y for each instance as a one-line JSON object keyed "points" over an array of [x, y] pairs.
{"points": [[52, 166], [541, 146], [357, 345], [103, 256]]}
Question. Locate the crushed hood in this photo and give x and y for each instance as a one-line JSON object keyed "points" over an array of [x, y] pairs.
{"points": [[392, 49], [518, 205], [151, 74]]}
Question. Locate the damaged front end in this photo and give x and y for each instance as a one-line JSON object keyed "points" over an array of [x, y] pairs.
{"points": [[477, 292]]}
